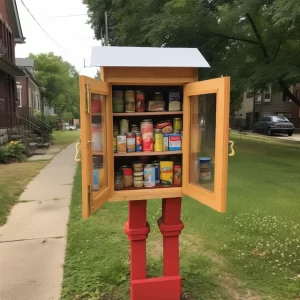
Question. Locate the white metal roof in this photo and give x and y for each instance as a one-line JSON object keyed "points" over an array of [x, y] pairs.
{"points": [[147, 57]]}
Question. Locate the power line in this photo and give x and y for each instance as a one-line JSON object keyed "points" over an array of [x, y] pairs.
{"points": [[67, 16], [42, 27]]}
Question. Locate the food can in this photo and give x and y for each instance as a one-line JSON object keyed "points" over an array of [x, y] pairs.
{"points": [[166, 142], [174, 141], [158, 138], [166, 172], [129, 101], [158, 96], [121, 143], [147, 135], [118, 101], [204, 168], [140, 101], [177, 174], [157, 171], [97, 137], [128, 177], [130, 142], [138, 142], [177, 124], [124, 126], [149, 175], [135, 128], [116, 130], [115, 144]]}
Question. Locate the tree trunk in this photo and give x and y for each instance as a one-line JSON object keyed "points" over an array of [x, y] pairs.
{"points": [[253, 110]]}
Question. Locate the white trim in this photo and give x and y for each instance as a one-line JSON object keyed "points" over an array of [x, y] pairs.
{"points": [[29, 97], [19, 88]]}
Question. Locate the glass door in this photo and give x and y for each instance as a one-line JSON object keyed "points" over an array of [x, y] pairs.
{"points": [[205, 141], [96, 144]]}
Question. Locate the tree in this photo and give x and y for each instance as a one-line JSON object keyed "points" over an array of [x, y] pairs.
{"points": [[98, 75], [67, 116], [61, 82], [256, 42]]}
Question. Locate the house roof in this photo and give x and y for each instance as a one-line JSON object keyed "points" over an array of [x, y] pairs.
{"points": [[147, 57], [15, 21], [25, 62], [8, 67]]}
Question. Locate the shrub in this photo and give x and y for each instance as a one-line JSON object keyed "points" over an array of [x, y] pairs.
{"points": [[3, 155], [15, 150]]}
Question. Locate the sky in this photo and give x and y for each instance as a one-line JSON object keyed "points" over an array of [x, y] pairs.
{"points": [[72, 34]]}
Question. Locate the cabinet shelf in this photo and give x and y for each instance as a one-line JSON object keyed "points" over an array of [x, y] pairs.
{"points": [[97, 152], [148, 113], [148, 153], [96, 114]]}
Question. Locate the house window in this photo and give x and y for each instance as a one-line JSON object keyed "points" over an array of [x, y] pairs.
{"points": [[258, 97], [19, 95], [30, 97]]}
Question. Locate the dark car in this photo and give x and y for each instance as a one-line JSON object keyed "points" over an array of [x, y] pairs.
{"points": [[274, 124]]}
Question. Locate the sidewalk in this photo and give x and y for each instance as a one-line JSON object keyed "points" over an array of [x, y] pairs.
{"points": [[33, 241]]}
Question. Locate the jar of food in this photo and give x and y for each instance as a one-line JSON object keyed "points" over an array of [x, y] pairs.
{"points": [[138, 176], [129, 101], [149, 175], [138, 184], [158, 138], [124, 126], [138, 142], [97, 137], [118, 101], [135, 128], [140, 101], [177, 125], [177, 178], [158, 96], [128, 178], [138, 166], [147, 135], [119, 180], [130, 142]]}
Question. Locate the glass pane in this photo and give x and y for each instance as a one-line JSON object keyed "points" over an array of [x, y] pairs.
{"points": [[99, 130], [203, 126]]}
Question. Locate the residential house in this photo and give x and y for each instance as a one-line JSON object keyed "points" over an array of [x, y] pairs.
{"points": [[266, 104], [10, 35], [28, 91]]}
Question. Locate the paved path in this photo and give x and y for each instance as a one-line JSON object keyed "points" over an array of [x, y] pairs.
{"points": [[33, 241]]}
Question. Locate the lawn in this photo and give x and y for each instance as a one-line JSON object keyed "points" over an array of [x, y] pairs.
{"points": [[64, 138], [252, 252], [13, 179]]}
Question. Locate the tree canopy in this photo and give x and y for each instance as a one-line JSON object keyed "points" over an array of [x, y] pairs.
{"points": [[256, 42], [60, 81]]}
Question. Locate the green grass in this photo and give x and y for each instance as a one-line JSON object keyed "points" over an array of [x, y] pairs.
{"points": [[251, 252], [64, 138], [13, 179]]}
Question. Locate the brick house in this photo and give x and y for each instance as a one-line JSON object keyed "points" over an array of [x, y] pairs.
{"points": [[10, 35], [28, 91]]}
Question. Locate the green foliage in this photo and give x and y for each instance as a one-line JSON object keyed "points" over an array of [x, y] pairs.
{"points": [[60, 80], [67, 116], [98, 75], [3, 155], [255, 42], [15, 150], [49, 119]]}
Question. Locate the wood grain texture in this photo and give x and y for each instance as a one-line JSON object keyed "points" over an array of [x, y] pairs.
{"points": [[148, 153]]}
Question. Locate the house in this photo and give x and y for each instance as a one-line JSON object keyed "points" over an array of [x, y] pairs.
{"points": [[28, 91], [10, 35], [265, 104]]}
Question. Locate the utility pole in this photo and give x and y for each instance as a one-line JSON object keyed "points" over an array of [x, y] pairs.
{"points": [[106, 29]]}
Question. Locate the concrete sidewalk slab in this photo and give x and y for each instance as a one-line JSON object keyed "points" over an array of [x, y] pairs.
{"points": [[41, 157], [34, 220], [32, 270]]}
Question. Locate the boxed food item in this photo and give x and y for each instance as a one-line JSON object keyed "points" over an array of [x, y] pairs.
{"points": [[174, 141], [174, 101], [156, 105]]}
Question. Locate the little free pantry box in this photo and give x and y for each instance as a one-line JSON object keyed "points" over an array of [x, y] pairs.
{"points": [[153, 92]]}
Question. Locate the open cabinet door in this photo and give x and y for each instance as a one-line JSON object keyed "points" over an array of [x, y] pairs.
{"points": [[96, 144], [205, 141]]}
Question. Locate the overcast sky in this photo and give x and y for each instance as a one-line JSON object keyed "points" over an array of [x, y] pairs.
{"points": [[73, 34]]}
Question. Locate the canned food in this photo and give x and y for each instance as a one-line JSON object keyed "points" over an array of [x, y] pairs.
{"points": [[121, 143], [128, 178], [157, 171], [129, 101], [149, 175], [177, 174], [124, 126], [166, 172], [118, 101], [116, 130], [158, 137], [166, 142], [177, 124], [147, 135], [130, 142], [140, 101], [138, 142], [174, 142], [135, 128], [204, 168], [115, 144]]}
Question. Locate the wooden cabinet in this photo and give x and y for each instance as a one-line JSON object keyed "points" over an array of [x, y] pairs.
{"points": [[204, 152]]}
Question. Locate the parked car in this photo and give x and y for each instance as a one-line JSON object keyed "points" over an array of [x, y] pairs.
{"points": [[274, 124], [67, 126]]}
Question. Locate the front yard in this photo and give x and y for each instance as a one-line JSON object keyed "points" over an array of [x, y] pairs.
{"points": [[252, 252]]}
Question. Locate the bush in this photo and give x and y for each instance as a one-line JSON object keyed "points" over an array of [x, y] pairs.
{"points": [[3, 155], [15, 150]]}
